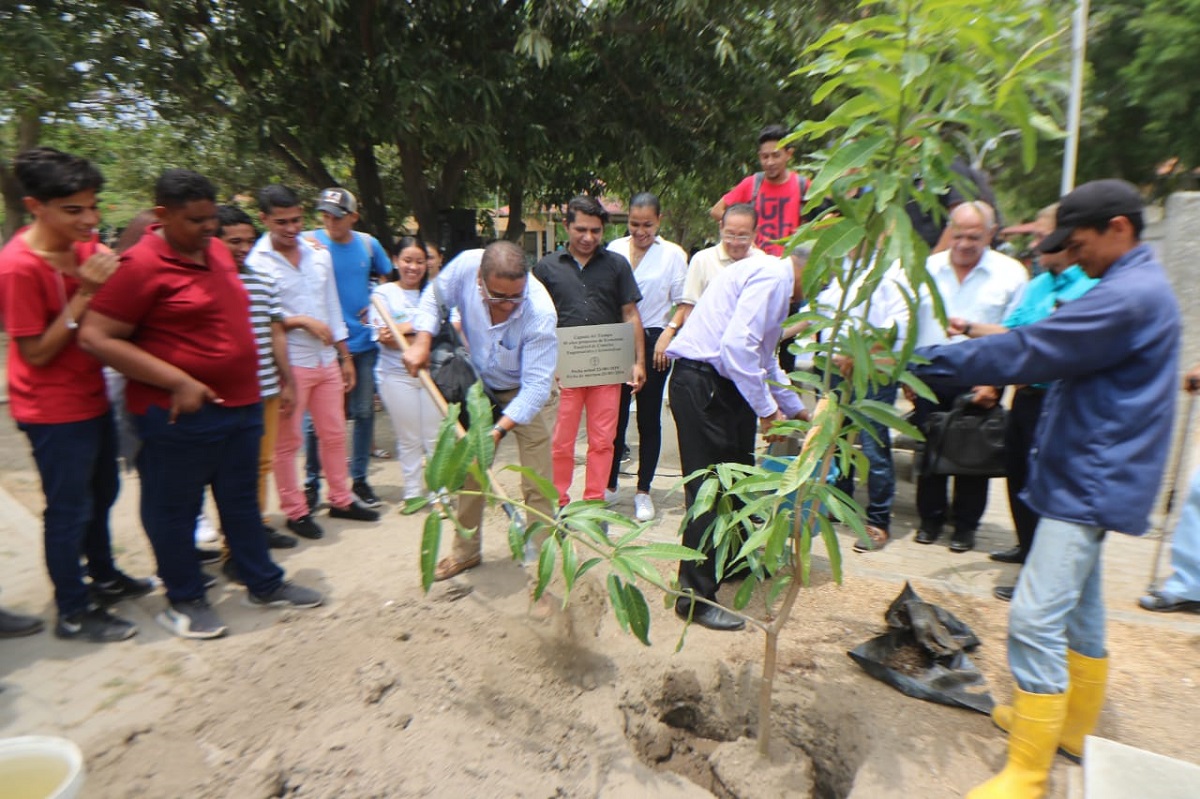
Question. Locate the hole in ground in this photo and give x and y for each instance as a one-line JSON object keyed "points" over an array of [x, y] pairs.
{"points": [[686, 726]]}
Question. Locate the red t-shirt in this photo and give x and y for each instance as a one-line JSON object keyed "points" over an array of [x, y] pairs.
{"points": [[191, 316], [32, 294], [777, 206]]}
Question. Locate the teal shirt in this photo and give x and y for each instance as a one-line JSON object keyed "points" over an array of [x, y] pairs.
{"points": [[1045, 293]]}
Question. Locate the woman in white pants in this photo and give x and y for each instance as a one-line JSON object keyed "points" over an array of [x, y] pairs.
{"points": [[415, 417]]}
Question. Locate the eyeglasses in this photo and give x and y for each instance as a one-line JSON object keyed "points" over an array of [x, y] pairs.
{"points": [[736, 239], [499, 298]]}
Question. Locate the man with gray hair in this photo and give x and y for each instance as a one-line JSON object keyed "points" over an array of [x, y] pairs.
{"points": [[983, 285], [509, 323]]}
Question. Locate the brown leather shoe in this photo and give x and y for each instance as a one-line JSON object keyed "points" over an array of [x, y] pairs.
{"points": [[449, 567], [877, 539]]}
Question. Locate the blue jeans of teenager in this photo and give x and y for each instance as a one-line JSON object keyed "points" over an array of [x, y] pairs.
{"points": [[1058, 606], [881, 469], [1184, 582], [360, 407], [77, 462], [217, 447]]}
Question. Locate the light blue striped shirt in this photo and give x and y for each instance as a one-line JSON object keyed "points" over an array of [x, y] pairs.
{"points": [[519, 353]]}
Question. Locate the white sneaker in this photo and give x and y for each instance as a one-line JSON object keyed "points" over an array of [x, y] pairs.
{"points": [[205, 532], [610, 495], [643, 507]]}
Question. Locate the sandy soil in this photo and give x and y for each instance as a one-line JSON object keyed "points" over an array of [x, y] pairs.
{"points": [[386, 692]]}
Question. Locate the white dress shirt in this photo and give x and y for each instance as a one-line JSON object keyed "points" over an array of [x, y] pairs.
{"points": [[989, 293], [660, 276], [306, 290], [735, 328]]}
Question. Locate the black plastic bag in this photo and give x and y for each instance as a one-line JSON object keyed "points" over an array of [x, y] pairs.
{"points": [[924, 655]]}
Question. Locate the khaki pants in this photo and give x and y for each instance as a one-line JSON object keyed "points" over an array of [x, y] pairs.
{"points": [[266, 450], [533, 442]]}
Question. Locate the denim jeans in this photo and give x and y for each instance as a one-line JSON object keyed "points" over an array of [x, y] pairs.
{"points": [[77, 462], [360, 408], [218, 447], [881, 474], [1184, 582], [1058, 606]]}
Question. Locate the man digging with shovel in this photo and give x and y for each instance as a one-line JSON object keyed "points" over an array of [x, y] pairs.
{"points": [[509, 323]]}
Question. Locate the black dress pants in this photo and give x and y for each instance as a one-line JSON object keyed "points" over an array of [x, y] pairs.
{"points": [[715, 426], [970, 493], [1018, 441]]}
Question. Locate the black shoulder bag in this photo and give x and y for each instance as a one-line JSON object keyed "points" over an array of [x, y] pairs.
{"points": [[967, 440]]}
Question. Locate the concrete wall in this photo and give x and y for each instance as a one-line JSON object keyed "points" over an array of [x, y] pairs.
{"points": [[1179, 248]]}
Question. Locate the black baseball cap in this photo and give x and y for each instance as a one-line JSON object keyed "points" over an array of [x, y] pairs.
{"points": [[1091, 203], [338, 202]]}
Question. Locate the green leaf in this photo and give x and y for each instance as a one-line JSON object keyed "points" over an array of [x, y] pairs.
{"points": [[744, 593], [546, 560], [544, 486], [587, 566], [435, 465], [660, 551], [517, 535], [616, 595], [570, 563], [431, 541], [638, 613]]}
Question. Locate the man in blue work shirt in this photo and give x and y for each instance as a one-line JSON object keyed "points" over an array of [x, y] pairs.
{"points": [[1112, 357], [356, 258]]}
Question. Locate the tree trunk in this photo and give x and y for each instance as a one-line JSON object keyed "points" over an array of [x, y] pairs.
{"points": [[370, 194], [416, 188], [29, 130], [516, 211]]}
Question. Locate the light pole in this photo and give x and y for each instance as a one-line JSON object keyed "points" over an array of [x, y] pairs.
{"points": [[1075, 106]]}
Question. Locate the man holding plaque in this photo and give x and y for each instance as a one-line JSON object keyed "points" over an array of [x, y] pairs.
{"points": [[727, 385], [590, 285]]}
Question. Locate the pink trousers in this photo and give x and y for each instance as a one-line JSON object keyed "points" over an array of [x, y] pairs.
{"points": [[601, 403], [319, 390]]}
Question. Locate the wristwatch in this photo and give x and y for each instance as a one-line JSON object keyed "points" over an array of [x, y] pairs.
{"points": [[672, 326], [501, 430]]}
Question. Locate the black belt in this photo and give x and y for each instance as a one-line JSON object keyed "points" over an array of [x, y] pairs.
{"points": [[697, 366]]}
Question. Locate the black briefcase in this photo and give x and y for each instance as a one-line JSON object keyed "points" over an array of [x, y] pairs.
{"points": [[967, 440]]}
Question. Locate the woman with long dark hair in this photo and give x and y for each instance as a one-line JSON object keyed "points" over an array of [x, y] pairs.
{"points": [[415, 417]]}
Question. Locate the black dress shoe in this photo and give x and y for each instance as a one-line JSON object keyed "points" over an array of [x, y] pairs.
{"points": [[1004, 592], [929, 532], [963, 541], [709, 616], [278, 540], [1014, 555], [305, 527], [15, 625]]}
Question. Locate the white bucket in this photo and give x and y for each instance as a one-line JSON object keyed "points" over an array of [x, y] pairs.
{"points": [[40, 767]]}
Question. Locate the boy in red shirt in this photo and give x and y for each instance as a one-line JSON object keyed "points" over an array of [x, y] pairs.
{"points": [[49, 273], [175, 320], [776, 193]]}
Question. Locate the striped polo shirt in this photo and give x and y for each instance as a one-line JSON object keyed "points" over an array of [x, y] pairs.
{"points": [[264, 309]]}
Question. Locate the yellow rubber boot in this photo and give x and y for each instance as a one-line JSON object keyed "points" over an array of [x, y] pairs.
{"points": [[1089, 677], [1037, 725]]}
